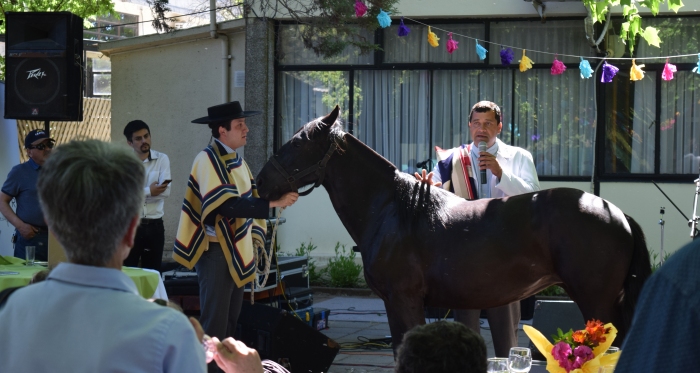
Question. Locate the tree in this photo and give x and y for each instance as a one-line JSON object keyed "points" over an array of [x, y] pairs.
{"points": [[82, 8], [329, 25], [633, 21]]}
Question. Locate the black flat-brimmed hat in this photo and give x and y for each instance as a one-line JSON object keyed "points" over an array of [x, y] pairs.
{"points": [[228, 111]]}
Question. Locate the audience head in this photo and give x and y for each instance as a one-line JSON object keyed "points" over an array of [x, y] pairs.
{"points": [[91, 194], [441, 347]]}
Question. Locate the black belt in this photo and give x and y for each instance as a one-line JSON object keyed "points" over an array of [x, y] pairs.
{"points": [[145, 221]]}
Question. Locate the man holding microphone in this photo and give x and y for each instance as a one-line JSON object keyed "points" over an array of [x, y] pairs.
{"points": [[486, 168]]}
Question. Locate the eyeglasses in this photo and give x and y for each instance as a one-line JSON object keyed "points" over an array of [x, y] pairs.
{"points": [[484, 125], [43, 146]]}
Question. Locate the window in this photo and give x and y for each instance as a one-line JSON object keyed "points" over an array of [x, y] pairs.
{"points": [[411, 97]]}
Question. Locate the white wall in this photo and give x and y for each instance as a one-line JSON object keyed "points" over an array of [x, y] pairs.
{"points": [[167, 81], [9, 157]]}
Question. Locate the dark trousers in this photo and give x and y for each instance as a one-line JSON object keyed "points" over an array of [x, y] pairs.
{"points": [[148, 245], [503, 322], [220, 300], [40, 242]]}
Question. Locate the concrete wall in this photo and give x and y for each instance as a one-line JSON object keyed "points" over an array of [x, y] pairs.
{"points": [[167, 81], [9, 157]]}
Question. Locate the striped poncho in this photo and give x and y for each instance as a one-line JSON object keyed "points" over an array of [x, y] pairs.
{"points": [[215, 177]]}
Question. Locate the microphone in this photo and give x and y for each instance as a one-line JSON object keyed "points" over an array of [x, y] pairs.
{"points": [[482, 148]]}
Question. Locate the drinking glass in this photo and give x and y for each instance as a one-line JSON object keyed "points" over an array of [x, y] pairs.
{"points": [[606, 369], [29, 255], [611, 350], [519, 360], [497, 365]]}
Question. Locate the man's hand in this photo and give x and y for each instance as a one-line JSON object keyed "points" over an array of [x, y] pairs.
{"points": [[488, 161], [235, 357], [27, 231], [157, 189], [286, 200], [423, 178]]}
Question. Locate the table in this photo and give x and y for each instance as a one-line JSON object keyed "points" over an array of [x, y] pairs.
{"points": [[147, 282]]}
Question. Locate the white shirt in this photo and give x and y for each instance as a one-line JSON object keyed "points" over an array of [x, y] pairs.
{"points": [[157, 170]]}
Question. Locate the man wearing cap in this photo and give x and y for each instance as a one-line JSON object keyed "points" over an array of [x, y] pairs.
{"points": [[28, 220], [150, 237], [221, 217]]}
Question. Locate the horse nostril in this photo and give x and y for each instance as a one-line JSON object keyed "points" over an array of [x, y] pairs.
{"points": [[259, 182]]}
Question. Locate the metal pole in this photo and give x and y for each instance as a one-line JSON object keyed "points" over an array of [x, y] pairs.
{"points": [[694, 220], [47, 128], [661, 223]]}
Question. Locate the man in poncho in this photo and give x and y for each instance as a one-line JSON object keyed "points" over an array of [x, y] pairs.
{"points": [[221, 218]]}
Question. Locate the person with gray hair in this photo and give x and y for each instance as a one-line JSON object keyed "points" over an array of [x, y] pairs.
{"points": [[88, 316]]}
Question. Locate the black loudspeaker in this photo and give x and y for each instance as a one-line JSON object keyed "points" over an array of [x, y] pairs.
{"points": [[552, 314], [44, 65], [281, 337]]}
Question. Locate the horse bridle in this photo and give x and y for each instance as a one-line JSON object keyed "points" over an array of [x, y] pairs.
{"points": [[319, 168]]}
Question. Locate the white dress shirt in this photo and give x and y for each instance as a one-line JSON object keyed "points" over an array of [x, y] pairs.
{"points": [[157, 167]]}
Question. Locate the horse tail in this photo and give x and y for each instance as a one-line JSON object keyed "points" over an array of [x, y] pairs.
{"points": [[639, 271]]}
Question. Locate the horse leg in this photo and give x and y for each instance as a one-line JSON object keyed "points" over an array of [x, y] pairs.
{"points": [[404, 314]]}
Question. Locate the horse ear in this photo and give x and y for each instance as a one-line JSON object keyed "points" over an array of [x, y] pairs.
{"points": [[329, 119]]}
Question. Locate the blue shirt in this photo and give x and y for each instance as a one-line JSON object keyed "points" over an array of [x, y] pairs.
{"points": [[664, 332], [91, 319], [21, 184]]}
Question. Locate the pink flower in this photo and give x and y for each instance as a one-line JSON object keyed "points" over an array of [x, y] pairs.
{"points": [[561, 352], [581, 355]]}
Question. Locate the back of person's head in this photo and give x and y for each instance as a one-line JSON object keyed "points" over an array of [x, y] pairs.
{"points": [[89, 192], [40, 276], [441, 347], [485, 107], [215, 127], [133, 126]]}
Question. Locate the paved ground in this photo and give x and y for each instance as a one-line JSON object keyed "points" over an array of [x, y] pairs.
{"points": [[380, 360]]}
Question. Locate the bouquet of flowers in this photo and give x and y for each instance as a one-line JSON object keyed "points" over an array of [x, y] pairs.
{"points": [[580, 351]]}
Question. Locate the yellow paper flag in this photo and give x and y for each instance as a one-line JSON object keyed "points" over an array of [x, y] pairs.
{"points": [[636, 72], [432, 38], [525, 63]]}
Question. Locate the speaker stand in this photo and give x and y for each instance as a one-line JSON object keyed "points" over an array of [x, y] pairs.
{"points": [[47, 128]]}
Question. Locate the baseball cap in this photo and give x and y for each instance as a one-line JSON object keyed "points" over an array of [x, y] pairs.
{"points": [[34, 137]]}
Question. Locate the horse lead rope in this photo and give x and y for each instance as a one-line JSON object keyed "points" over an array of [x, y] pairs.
{"points": [[267, 257]]}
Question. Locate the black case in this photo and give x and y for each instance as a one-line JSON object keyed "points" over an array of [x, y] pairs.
{"points": [[294, 271], [296, 298]]}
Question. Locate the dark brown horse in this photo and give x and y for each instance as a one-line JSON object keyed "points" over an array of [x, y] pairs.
{"points": [[423, 246]]}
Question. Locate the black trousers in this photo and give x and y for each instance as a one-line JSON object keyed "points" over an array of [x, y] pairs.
{"points": [[220, 300], [148, 245]]}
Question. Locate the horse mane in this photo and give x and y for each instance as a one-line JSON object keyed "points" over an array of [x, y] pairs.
{"points": [[419, 202]]}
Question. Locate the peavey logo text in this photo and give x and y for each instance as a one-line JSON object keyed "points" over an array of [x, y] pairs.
{"points": [[36, 73]]}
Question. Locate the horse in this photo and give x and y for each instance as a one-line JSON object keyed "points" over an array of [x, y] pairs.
{"points": [[424, 246]]}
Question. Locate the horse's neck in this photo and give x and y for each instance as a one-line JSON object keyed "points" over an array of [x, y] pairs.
{"points": [[360, 183]]}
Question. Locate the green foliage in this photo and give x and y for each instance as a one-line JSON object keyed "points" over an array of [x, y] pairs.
{"points": [[633, 21], [553, 291], [656, 262], [82, 8], [343, 271], [329, 25], [314, 273]]}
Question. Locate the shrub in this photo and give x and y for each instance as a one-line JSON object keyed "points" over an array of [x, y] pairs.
{"points": [[342, 270], [655, 262], [314, 273]]}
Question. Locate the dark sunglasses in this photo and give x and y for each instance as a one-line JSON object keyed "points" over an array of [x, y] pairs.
{"points": [[43, 146]]}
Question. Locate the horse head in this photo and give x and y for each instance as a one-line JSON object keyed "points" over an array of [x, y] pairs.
{"points": [[302, 160]]}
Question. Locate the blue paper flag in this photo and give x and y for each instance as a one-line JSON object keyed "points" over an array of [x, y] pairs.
{"points": [[696, 69], [585, 67], [403, 30], [481, 51], [384, 19], [506, 56]]}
